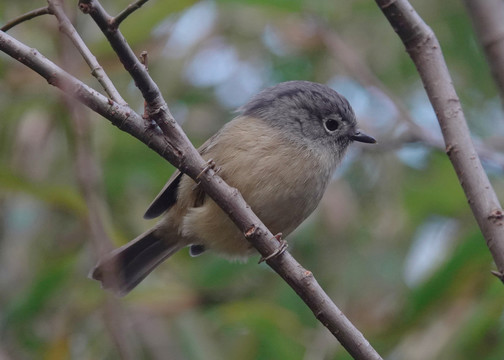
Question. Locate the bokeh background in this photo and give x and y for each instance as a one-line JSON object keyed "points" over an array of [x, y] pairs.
{"points": [[393, 242]]}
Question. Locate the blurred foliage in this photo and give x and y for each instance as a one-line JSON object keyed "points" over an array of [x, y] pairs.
{"points": [[393, 242]]}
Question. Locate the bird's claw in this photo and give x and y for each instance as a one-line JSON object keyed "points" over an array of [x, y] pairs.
{"points": [[209, 165], [278, 251]]}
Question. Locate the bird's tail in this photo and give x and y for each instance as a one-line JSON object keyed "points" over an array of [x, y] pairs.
{"points": [[125, 267]]}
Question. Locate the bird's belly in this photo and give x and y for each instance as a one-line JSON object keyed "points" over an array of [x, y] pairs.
{"points": [[282, 182], [281, 200]]}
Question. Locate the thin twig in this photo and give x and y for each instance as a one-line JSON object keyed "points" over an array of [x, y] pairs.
{"points": [[156, 108], [25, 17], [121, 116], [66, 27], [425, 51], [127, 12]]}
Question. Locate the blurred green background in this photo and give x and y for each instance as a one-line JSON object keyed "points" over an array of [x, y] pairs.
{"points": [[393, 242]]}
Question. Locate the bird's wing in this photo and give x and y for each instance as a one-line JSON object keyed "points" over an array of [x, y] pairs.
{"points": [[167, 197]]}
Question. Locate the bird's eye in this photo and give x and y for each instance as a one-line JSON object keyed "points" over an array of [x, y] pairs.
{"points": [[331, 125]]}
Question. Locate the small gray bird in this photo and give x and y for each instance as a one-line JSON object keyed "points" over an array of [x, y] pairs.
{"points": [[280, 153]]}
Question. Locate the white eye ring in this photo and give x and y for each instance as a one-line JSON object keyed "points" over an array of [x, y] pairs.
{"points": [[331, 125]]}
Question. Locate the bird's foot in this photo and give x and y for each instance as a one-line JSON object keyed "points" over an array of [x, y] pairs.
{"points": [[278, 251]]}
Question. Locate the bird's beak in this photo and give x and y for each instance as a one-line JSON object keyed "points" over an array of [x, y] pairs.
{"points": [[361, 137]]}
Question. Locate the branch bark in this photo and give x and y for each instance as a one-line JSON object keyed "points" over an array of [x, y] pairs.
{"points": [[168, 140], [56, 7], [127, 12], [25, 17], [488, 21], [425, 51]]}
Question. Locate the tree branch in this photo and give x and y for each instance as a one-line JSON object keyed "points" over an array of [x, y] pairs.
{"points": [[488, 20], [66, 27], [127, 12], [173, 145], [25, 17], [156, 107], [424, 49]]}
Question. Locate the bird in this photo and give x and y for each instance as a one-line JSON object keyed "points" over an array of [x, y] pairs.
{"points": [[280, 152]]}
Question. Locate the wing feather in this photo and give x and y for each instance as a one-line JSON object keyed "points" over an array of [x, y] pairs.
{"points": [[167, 197]]}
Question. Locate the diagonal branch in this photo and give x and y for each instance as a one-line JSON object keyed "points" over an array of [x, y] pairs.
{"points": [[25, 17], [176, 148], [425, 51], [156, 107], [56, 8]]}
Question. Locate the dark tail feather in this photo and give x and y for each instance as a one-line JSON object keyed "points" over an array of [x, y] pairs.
{"points": [[125, 267]]}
